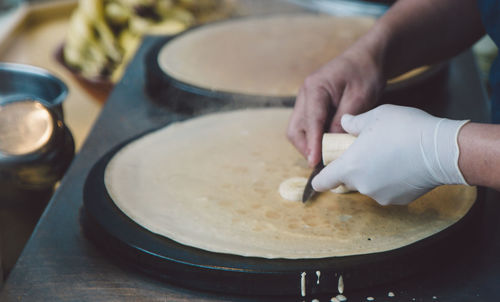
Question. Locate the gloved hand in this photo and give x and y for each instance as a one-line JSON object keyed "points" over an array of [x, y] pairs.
{"points": [[400, 154]]}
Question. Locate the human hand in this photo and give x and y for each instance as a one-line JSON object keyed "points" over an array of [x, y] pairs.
{"points": [[400, 154], [351, 83]]}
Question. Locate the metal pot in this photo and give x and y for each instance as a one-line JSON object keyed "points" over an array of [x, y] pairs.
{"points": [[21, 82], [36, 148]]}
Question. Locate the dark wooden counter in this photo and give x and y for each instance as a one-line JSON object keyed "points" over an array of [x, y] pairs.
{"points": [[60, 264]]}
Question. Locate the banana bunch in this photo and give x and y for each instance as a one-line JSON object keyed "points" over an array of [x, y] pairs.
{"points": [[103, 35]]}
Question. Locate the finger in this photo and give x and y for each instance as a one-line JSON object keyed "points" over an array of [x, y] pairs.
{"points": [[296, 126], [316, 119], [314, 148], [330, 177], [355, 124], [300, 142], [345, 107], [297, 136], [350, 103]]}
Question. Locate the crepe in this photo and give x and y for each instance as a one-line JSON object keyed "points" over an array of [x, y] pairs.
{"points": [[212, 183], [268, 56], [264, 56]]}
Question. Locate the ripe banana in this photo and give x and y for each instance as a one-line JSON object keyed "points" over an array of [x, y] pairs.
{"points": [[292, 188], [103, 35], [334, 144], [340, 190]]}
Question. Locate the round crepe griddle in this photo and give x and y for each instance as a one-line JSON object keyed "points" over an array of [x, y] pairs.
{"points": [[265, 57], [212, 183], [219, 271]]}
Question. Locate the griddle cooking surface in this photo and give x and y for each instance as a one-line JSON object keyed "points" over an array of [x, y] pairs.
{"points": [[112, 230]]}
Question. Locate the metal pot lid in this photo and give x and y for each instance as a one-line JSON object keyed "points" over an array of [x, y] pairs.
{"points": [[25, 127]]}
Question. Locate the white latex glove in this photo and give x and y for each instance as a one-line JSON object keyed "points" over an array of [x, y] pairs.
{"points": [[400, 154]]}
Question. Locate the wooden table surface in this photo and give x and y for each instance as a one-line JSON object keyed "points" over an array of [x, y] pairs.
{"points": [[60, 264]]}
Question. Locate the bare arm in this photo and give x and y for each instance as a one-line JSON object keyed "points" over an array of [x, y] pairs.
{"points": [[418, 32], [479, 158], [410, 34]]}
